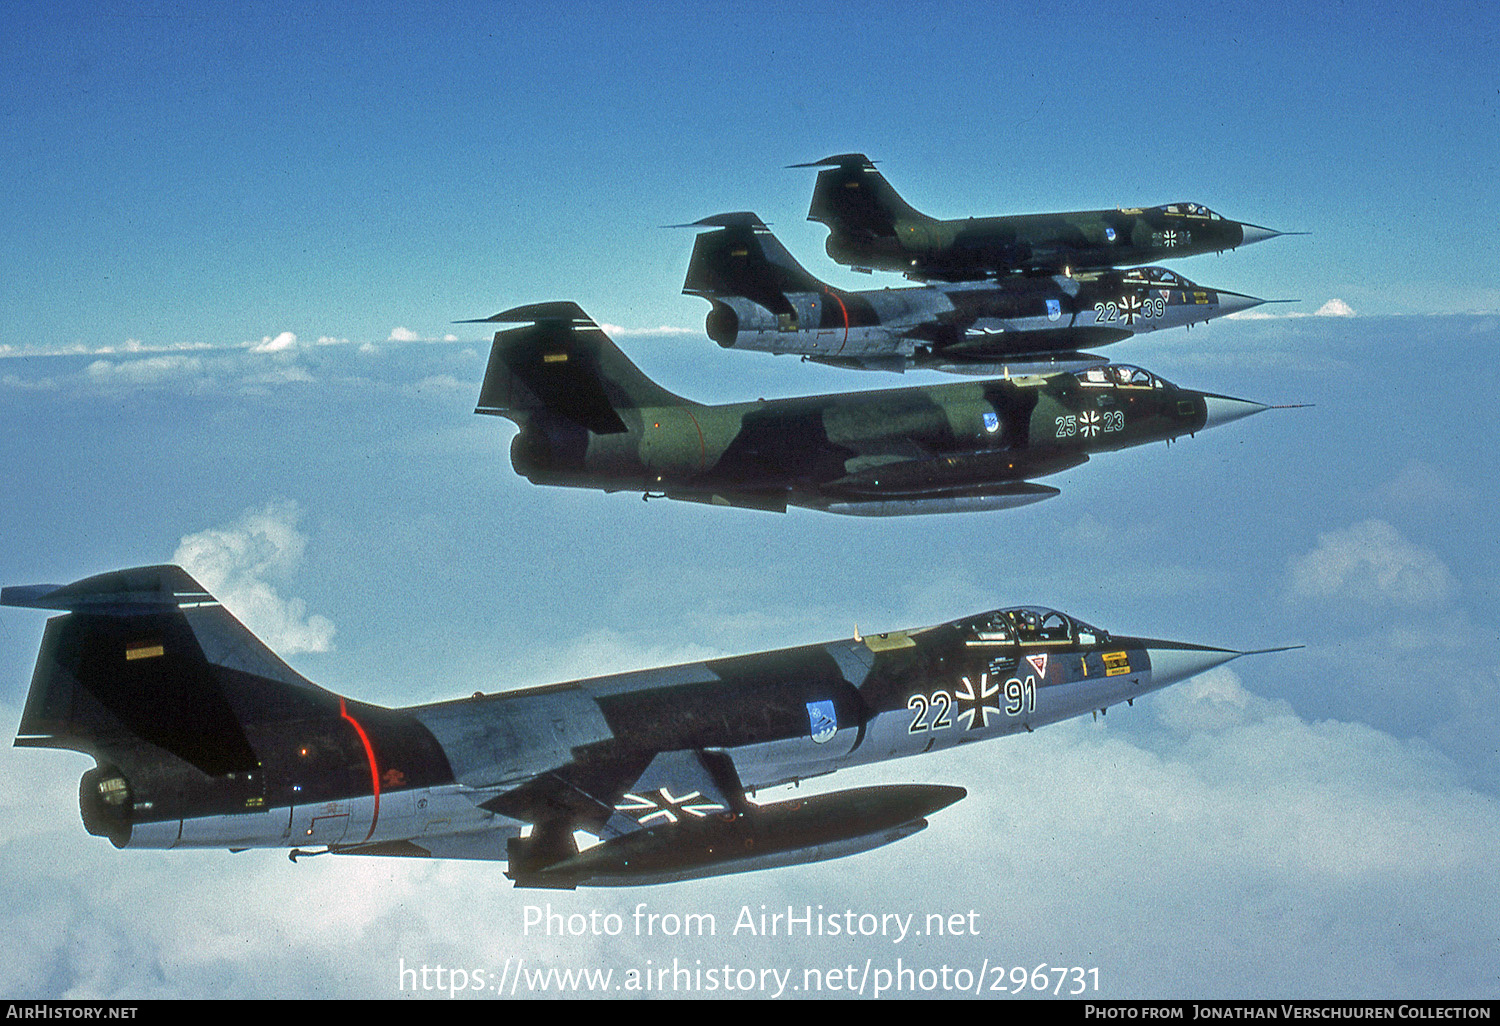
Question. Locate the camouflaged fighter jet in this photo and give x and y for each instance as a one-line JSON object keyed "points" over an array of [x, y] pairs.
{"points": [[874, 228], [764, 300], [203, 738], [590, 419]]}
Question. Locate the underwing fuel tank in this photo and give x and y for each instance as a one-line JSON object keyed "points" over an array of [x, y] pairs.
{"points": [[792, 833]]}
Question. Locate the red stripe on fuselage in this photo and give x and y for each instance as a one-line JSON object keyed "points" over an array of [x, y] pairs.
{"points": [[702, 445], [364, 739], [845, 311]]}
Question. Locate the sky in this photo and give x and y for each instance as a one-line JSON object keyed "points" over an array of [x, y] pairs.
{"points": [[237, 243]]}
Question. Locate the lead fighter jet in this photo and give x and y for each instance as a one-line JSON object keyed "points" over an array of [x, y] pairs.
{"points": [[871, 226], [764, 300], [203, 738], [590, 419]]}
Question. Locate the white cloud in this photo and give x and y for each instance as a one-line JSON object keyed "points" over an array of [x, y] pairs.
{"points": [[1197, 852], [1332, 308], [286, 340], [1424, 486], [1370, 563], [404, 335], [1209, 841], [665, 329], [443, 386], [130, 346], [149, 371], [238, 563], [286, 375], [1211, 702]]}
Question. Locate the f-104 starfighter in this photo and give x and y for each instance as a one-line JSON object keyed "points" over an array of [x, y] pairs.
{"points": [[764, 300], [872, 227], [589, 418], [203, 738]]}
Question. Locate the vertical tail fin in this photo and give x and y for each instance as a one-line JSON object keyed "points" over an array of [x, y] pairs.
{"points": [[147, 655], [854, 199], [199, 732], [744, 259], [561, 363]]}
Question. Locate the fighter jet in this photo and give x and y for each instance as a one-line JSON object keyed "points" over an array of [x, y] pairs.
{"points": [[204, 738], [874, 228], [590, 419], [764, 300]]}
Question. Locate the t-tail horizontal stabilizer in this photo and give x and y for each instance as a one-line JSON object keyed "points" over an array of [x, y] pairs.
{"points": [[138, 590]]}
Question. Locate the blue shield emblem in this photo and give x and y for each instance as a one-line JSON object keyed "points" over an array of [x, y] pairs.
{"points": [[1054, 309], [822, 721], [991, 422], [1109, 233]]}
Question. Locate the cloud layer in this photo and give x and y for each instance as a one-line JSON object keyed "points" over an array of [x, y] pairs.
{"points": [[1218, 845], [239, 564], [1371, 564]]}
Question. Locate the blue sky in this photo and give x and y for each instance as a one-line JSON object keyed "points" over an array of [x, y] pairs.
{"points": [[235, 247], [180, 175]]}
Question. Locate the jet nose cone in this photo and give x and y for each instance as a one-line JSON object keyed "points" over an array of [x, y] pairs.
{"points": [[1255, 233], [1233, 302], [1174, 661], [1221, 409]]}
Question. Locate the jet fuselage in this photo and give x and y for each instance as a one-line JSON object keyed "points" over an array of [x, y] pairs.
{"points": [[204, 739], [846, 447], [979, 327], [973, 248], [872, 227], [763, 299]]}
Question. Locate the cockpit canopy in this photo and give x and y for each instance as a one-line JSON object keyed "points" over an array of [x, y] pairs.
{"points": [[1157, 278], [1034, 625], [1120, 375], [1190, 210]]}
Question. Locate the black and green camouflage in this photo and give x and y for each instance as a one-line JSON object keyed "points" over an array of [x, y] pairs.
{"points": [[872, 227], [590, 419], [764, 300]]}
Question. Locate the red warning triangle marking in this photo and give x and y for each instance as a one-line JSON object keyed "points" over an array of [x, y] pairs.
{"points": [[1039, 661]]}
